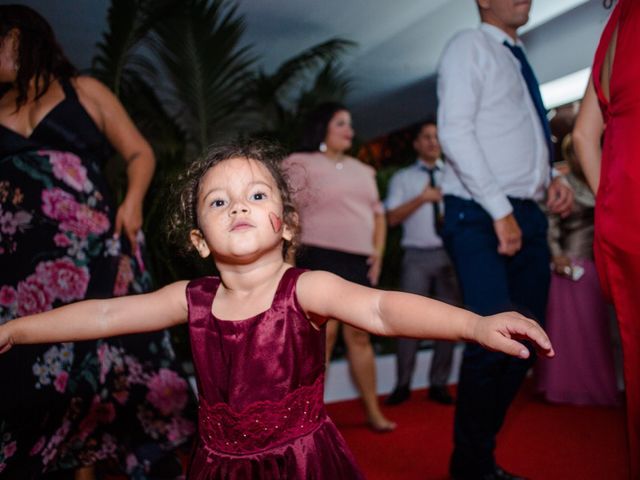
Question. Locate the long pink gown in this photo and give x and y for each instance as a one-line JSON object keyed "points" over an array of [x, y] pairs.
{"points": [[583, 372], [261, 383]]}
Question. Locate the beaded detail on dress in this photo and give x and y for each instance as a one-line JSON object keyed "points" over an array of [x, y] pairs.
{"points": [[262, 425]]}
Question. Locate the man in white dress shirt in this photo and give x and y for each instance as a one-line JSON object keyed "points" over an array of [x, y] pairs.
{"points": [[414, 201], [496, 137]]}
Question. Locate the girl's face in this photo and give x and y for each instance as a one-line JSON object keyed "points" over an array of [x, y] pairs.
{"points": [[339, 132], [9, 57], [239, 213]]}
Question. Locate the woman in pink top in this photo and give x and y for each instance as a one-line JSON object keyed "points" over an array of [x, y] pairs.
{"points": [[343, 229]]}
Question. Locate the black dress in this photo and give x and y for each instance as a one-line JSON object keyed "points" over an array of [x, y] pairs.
{"points": [[122, 400]]}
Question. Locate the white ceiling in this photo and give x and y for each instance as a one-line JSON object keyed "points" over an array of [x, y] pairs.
{"points": [[399, 43]]}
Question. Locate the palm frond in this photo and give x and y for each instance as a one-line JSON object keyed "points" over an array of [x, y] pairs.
{"points": [[331, 84], [300, 65], [200, 53], [128, 23], [150, 116], [273, 97]]}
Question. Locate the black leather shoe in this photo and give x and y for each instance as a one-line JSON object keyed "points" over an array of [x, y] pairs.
{"points": [[398, 396], [440, 394], [497, 474], [501, 474]]}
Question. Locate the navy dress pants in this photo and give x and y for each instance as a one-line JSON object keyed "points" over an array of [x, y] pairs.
{"points": [[492, 283]]}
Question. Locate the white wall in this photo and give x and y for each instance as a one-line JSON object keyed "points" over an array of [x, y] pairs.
{"points": [[339, 386]]}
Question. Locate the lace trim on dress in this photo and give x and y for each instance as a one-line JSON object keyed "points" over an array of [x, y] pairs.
{"points": [[262, 425]]}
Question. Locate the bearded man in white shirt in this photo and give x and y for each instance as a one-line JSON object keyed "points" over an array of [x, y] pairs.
{"points": [[494, 132]]}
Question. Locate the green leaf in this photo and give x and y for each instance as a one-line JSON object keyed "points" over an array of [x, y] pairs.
{"points": [[199, 51]]}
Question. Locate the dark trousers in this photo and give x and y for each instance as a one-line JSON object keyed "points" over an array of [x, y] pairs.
{"points": [[492, 283], [427, 272]]}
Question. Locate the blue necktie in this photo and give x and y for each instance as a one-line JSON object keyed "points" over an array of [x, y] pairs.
{"points": [[534, 90]]}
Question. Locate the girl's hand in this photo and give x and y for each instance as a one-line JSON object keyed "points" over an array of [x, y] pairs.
{"points": [[375, 266], [5, 341], [129, 219], [501, 332]]}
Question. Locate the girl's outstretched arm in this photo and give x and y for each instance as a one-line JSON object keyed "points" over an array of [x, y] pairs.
{"points": [[325, 295], [92, 319]]}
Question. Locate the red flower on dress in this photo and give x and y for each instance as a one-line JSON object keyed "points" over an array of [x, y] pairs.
{"points": [[99, 413], [167, 391], [10, 449], [60, 383], [58, 204], [8, 296], [63, 279], [124, 276], [61, 240], [86, 221], [33, 296], [68, 168], [179, 429], [39, 445]]}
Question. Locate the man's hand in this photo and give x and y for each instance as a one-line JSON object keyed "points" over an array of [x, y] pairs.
{"points": [[509, 235], [560, 197], [431, 194]]}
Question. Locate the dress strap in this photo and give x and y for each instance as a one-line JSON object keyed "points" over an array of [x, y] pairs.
{"points": [[68, 89], [200, 293], [287, 283]]}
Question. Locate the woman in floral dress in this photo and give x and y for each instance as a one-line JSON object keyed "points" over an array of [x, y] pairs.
{"points": [[122, 402]]}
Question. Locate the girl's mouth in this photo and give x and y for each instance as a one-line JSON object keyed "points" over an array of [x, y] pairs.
{"points": [[241, 225]]}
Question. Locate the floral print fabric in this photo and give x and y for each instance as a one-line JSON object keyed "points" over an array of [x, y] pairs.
{"points": [[119, 400]]}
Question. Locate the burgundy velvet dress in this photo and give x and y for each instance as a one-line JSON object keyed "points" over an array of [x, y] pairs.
{"points": [[261, 384]]}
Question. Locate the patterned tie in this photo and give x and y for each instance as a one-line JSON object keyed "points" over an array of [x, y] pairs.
{"points": [[534, 90], [437, 216]]}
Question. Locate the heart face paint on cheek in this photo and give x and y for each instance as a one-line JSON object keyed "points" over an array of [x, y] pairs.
{"points": [[276, 222]]}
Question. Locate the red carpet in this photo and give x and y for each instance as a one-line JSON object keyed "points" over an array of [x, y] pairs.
{"points": [[538, 440]]}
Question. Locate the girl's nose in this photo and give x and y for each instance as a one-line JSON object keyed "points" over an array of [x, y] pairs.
{"points": [[238, 208]]}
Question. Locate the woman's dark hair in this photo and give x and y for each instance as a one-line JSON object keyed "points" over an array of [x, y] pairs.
{"points": [[316, 124], [184, 215], [39, 56]]}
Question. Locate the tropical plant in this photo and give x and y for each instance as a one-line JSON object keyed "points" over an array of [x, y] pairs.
{"points": [[129, 22], [281, 99], [180, 69], [198, 48]]}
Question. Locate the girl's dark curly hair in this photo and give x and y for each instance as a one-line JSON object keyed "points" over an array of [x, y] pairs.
{"points": [[39, 56], [184, 216]]}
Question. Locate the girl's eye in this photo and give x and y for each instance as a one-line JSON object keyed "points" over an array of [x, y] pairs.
{"points": [[258, 196], [218, 203]]}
